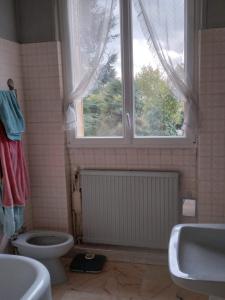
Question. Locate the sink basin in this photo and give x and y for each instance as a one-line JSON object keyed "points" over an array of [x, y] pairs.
{"points": [[197, 258], [23, 278]]}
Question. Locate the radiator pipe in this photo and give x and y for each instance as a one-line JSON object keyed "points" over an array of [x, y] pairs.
{"points": [[76, 206]]}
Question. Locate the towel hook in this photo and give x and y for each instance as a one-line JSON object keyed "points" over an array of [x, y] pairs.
{"points": [[10, 84]]}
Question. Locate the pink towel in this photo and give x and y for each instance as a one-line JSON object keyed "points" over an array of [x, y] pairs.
{"points": [[14, 171]]}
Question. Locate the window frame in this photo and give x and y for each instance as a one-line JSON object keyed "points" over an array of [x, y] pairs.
{"points": [[129, 139]]}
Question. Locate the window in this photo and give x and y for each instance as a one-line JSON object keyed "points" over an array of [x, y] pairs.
{"points": [[158, 109], [101, 111], [132, 99]]}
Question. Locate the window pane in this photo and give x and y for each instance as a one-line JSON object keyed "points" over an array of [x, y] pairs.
{"points": [[158, 107], [100, 113]]}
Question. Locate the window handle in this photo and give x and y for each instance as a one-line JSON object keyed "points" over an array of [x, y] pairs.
{"points": [[128, 120]]}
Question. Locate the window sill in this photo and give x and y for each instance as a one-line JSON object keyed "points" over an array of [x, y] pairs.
{"points": [[156, 142]]}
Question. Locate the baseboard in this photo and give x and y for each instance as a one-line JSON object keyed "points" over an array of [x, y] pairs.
{"points": [[124, 254]]}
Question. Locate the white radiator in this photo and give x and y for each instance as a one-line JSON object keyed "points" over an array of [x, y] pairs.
{"points": [[129, 208]]}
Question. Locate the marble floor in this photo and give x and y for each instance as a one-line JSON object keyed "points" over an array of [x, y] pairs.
{"points": [[123, 281]]}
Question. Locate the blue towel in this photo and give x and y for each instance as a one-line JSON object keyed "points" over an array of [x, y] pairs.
{"points": [[11, 115], [11, 218]]}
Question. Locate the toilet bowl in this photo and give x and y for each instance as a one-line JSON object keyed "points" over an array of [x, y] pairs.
{"points": [[47, 247]]}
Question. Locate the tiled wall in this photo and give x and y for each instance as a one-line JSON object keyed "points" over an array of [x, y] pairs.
{"points": [[10, 67], [212, 128], [43, 100], [202, 170]]}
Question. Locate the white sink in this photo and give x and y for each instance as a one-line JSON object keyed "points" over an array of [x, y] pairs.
{"points": [[197, 258], [23, 278]]}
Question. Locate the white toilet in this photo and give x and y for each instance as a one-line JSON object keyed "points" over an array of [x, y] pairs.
{"points": [[47, 247]]}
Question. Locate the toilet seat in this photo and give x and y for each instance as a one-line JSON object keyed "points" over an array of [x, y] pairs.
{"points": [[61, 243]]}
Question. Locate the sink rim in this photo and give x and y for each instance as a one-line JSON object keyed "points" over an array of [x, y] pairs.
{"points": [[174, 246]]}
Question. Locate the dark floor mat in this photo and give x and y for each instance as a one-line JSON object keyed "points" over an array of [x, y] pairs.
{"points": [[89, 263]]}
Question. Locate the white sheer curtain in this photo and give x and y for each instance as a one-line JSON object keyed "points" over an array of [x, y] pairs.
{"points": [[170, 28], [84, 28]]}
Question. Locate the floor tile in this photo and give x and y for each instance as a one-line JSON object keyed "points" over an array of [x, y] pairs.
{"points": [[123, 281]]}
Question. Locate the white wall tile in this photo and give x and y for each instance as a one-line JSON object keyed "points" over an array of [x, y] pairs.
{"points": [[211, 162], [45, 135]]}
